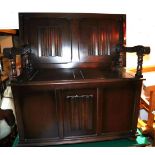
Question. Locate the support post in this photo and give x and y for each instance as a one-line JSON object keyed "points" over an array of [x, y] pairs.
{"points": [[140, 51]]}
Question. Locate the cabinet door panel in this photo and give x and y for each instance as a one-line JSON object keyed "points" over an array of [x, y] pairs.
{"points": [[50, 39], [98, 37], [39, 115], [79, 112], [118, 109]]}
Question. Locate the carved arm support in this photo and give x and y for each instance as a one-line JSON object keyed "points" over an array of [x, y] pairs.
{"points": [[140, 51], [26, 66]]}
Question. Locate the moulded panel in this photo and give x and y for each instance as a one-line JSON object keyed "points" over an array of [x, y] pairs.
{"points": [[39, 115], [80, 112], [98, 37], [118, 109], [50, 39]]}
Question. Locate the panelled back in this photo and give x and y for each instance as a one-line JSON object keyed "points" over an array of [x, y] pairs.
{"points": [[73, 40]]}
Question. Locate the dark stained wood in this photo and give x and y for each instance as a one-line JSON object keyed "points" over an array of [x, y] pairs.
{"points": [[69, 38], [46, 125], [120, 117], [98, 37], [76, 92], [140, 51], [50, 40], [51, 110], [79, 112]]}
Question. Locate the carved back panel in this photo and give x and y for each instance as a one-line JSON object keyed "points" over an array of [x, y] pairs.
{"points": [[73, 40], [50, 39], [97, 37]]}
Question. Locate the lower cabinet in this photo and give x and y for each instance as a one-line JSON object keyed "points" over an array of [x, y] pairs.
{"points": [[47, 116]]}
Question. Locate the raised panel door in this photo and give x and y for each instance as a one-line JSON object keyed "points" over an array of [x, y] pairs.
{"points": [[119, 106], [38, 112], [50, 39], [79, 112], [98, 39]]}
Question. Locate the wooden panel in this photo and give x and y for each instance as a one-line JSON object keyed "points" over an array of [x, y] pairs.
{"points": [[98, 37], [76, 112], [117, 108], [39, 115], [62, 40], [79, 112], [50, 41]]}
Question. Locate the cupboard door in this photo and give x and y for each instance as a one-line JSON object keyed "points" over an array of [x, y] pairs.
{"points": [[38, 114], [79, 112], [50, 39], [119, 109]]}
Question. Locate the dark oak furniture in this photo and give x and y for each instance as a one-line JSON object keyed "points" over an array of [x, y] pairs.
{"points": [[72, 85]]}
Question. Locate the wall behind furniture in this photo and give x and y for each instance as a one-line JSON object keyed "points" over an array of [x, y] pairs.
{"points": [[140, 22]]}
